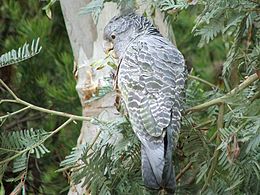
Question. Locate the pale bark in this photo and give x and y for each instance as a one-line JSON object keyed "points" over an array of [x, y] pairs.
{"points": [[86, 42]]}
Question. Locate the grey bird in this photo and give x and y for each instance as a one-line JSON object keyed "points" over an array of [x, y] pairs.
{"points": [[151, 78]]}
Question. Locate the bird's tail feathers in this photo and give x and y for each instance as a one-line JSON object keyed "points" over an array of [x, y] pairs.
{"points": [[157, 168], [152, 175], [168, 181]]}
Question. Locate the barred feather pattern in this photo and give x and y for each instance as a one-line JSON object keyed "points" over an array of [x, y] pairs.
{"points": [[151, 80]]}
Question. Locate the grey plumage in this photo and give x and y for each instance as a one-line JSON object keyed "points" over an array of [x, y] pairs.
{"points": [[151, 80]]}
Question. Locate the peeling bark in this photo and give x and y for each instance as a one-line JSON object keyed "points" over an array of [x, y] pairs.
{"points": [[86, 41]]}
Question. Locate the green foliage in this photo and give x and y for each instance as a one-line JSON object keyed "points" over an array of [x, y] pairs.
{"points": [[19, 140], [221, 160], [237, 165], [73, 158], [95, 7], [167, 5], [47, 8], [23, 53], [224, 160], [237, 21], [110, 165], [45, 80], [22, 143]]}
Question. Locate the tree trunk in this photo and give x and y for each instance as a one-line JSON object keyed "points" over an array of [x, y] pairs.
{"points": [[86, 41]]}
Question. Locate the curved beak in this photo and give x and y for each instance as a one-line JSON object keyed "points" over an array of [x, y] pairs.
{"points": [[107, 46]]}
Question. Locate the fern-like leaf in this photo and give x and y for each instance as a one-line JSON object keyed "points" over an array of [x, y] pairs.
{"points": [[170, 4], [22, 53], [20, 163], [73, 158], [94, 8], [209, 32], [14, 142]]}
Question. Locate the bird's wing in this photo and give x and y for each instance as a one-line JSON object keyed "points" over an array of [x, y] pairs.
{"points": [[151, 79], [156, 77]]}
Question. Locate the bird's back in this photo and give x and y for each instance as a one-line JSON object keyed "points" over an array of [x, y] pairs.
{"points": [[151, 80]]}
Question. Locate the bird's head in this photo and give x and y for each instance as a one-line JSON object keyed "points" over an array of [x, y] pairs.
{"points": [[121, 30]]}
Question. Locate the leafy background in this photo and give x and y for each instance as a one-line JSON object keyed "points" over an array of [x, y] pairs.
{"points": [[218, 151], [45, 80]]}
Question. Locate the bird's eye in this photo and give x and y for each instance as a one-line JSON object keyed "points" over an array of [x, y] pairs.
{"points": [[113, 36]]}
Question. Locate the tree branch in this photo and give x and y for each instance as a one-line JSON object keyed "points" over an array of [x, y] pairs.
{"points": [[14, 113], [219, 100], [202, 81], [220, 125], [181, 173], [38, 108], [21, 120], [7, 101]]}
